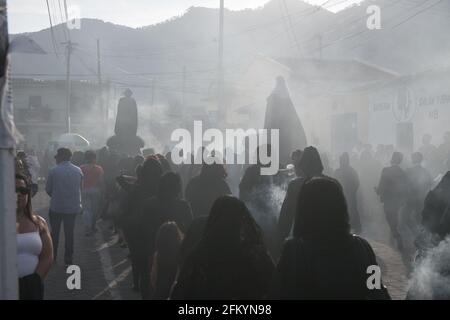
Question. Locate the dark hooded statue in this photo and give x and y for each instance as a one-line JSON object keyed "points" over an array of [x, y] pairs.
{"points": [[127, 118], [281, 115], [125, 140]]}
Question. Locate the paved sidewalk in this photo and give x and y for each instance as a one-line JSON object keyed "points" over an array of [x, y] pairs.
{"points": [[105, 267], [394, 272]]}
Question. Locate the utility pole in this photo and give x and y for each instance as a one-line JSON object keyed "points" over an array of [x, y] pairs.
{"points": [[8, 238], [152, 106], [183, 96], [103, 109], [220, 71], [69, 50]]}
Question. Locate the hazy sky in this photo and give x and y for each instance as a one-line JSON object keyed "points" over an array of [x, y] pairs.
{"points": [[32, 15]]}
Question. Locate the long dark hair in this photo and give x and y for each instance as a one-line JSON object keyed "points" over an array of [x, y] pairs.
{"points": [[169, 186], [168, 242], [28, 207], [149, 174], [230, 225], [213, 171], [310, 162], [322, 213]]}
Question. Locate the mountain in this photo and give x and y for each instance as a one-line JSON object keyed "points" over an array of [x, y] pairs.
{"points": [[409, 41]]}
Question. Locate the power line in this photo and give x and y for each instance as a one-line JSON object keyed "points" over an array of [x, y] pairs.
{"points": [[356, 34], [417, 5], [55, 19], [306, 13], [51, 28], [417, 13]]}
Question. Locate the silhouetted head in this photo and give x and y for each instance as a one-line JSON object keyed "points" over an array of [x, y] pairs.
{"points": [[128, 93], [21, 155], [90, 157], [344, 160], [426, 139], [230, 225], [213, 171], [150, 172], [397, 158], [164, 163], [167, 245], [23, 196], [321, 211], [310, 163], [416, 158], [281, 88], [63, 154], [78, 158], [169, 186]]}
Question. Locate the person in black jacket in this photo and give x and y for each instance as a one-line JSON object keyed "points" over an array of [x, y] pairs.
{"points": [[231, 260], [419, 184], [430, 276], [392, 191], [205, 188], [324, 260], [436, 212], [309, 165], [164, 265], [136, 192], [349, 179]]}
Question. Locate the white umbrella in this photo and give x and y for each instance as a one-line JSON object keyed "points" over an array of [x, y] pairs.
{"points": [[73, 141]]}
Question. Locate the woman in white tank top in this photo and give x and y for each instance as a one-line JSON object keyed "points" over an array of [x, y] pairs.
{"points": [[34, 245]]}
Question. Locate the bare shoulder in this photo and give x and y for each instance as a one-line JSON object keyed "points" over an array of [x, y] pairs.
{"points": [[43, 227]]}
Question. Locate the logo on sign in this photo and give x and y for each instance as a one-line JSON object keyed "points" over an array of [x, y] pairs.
{"points": [[404, 106]]}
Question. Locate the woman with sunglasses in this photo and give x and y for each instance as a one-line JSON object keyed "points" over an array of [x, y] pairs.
{"points": [[34, 245]]}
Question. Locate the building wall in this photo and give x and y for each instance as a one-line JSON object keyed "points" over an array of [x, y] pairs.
{"points": [[423, 101], [41, 124]]}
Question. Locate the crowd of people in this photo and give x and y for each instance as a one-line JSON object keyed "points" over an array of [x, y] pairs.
{"points": [[190, 235]]}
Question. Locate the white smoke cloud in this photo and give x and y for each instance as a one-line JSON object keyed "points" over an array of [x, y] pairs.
{"points": [[431, 276]]}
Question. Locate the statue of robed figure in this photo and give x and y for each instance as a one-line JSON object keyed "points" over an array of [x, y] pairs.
{"points": [[127, 117], [281, 115]]}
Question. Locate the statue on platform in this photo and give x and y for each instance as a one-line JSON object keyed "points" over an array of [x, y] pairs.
{"points": [[125, 140]]}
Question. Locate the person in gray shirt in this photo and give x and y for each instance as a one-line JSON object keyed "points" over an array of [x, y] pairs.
{"points": [[64, 184]]}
